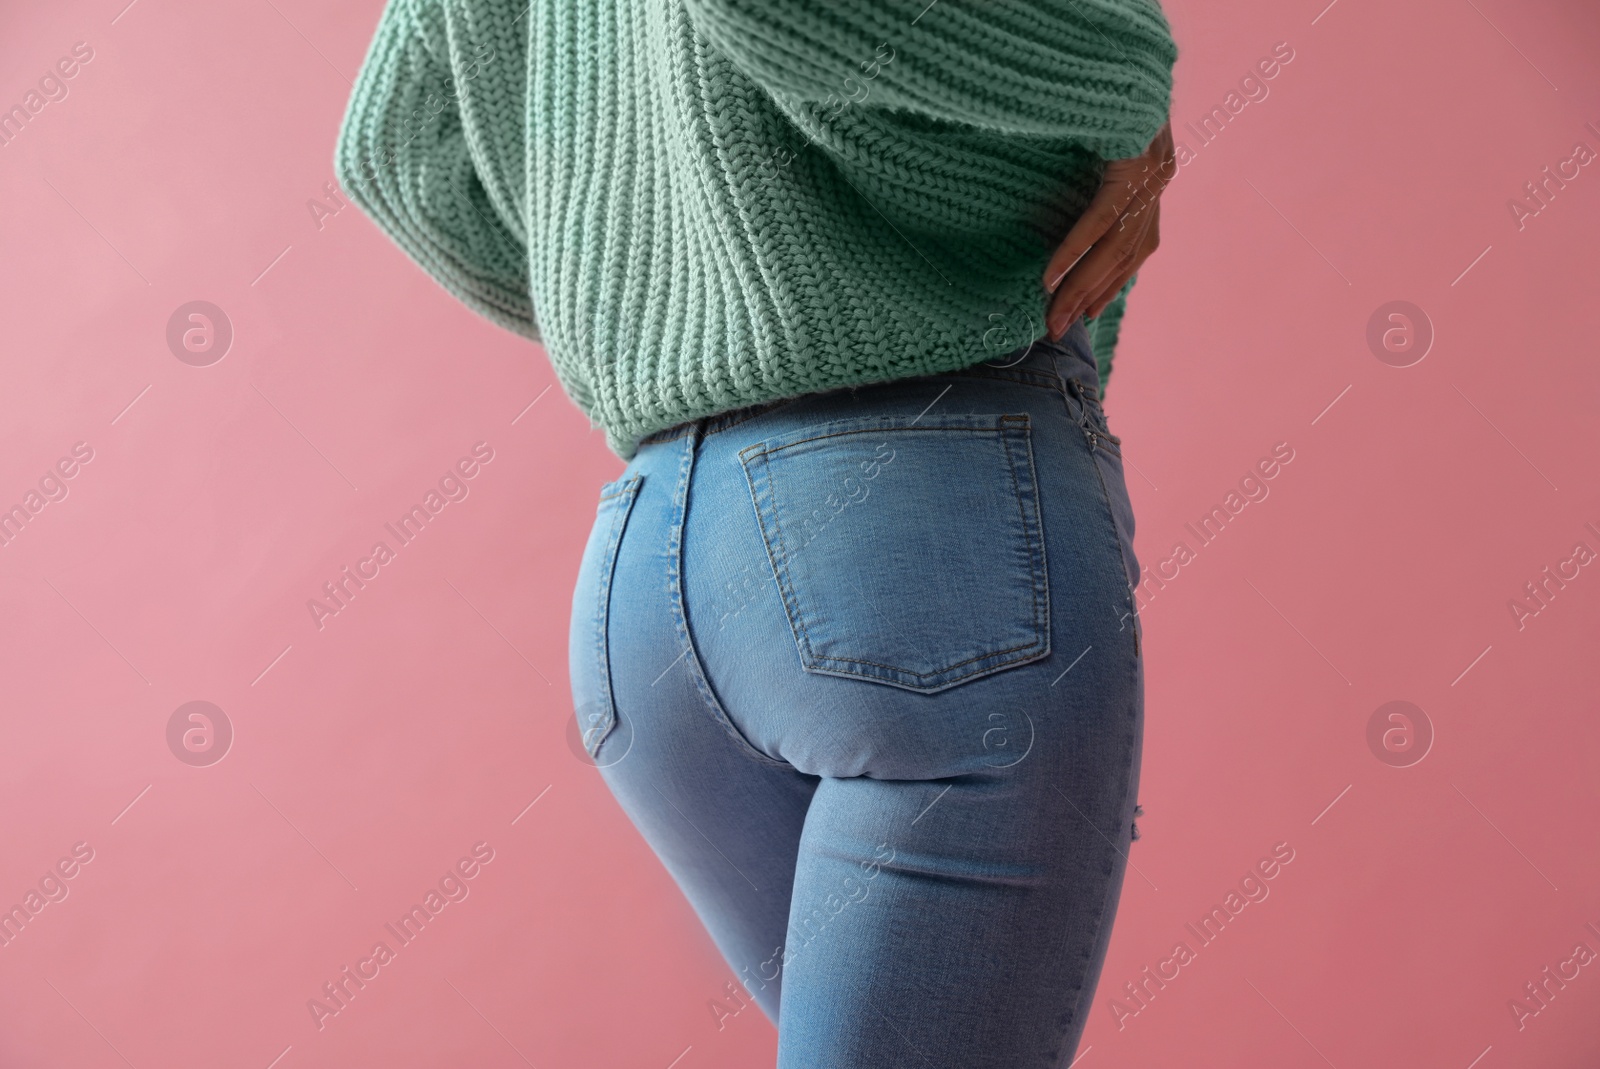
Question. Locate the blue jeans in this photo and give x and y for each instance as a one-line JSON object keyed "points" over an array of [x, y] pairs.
{"points": [[863, 668]]}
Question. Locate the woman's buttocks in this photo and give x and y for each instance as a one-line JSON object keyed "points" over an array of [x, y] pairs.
{"points": [[917, 578]]}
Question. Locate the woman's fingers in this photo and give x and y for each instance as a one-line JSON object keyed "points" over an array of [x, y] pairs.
{"points": [[1147, 245], [1113, 237], [1088, 280], [1104, 209]]}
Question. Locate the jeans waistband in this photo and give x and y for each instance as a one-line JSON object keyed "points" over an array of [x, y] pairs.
{"points": [[1042, 362]]}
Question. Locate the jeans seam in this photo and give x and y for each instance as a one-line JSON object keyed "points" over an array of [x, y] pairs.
{"points": [[1090, 434], [680, 617], [1073, 1017], [1122, 555]]}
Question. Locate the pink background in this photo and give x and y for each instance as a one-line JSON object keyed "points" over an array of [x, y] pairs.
{"points": [[425, 717]]}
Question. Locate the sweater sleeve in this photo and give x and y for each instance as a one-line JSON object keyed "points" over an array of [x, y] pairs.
{"points": [[1095, 71], [431, 149]]}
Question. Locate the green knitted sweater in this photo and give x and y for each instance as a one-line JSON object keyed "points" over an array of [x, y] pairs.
{"points": [[703, 204]]}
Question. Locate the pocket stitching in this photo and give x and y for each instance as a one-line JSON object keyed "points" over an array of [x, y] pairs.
{"points": [[777, 551], [628, 490], [1041, 570], [1005, 428], [906, 671]]}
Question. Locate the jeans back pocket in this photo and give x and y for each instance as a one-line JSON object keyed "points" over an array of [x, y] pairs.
{"points": [[907, 551], [588, 655]]}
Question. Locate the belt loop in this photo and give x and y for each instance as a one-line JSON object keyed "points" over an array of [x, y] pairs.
{"points": [[1085, 343], [697, 434], [1063, 383]]}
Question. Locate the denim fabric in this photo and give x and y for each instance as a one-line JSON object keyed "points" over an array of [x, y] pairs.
{"points": [[987, 556], [863, 667]]}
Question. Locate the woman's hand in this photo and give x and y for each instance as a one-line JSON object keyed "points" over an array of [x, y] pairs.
{"points": [[1114, 236]]}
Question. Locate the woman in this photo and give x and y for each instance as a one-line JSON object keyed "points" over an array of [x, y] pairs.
{"points": [[853, 640]]}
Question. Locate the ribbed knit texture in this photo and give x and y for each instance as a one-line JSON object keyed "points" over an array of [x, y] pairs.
{"points": [[703, 204]]}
